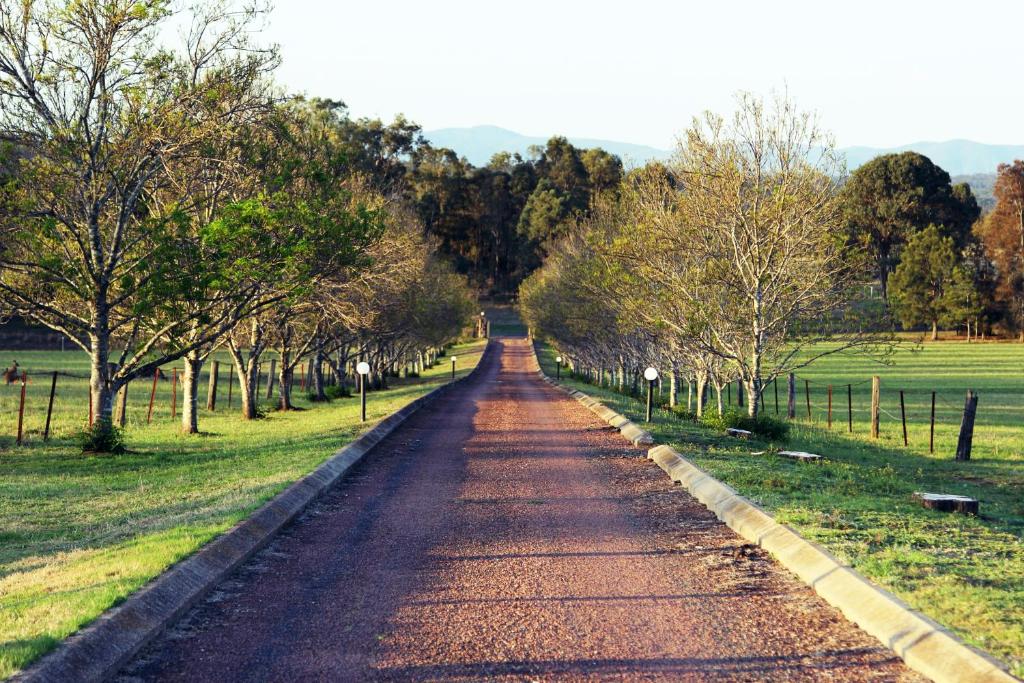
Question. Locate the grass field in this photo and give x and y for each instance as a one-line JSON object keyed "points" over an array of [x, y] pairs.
{"points": [[965, 572], [79, 533]]}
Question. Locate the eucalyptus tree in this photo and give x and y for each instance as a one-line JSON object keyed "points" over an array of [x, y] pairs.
{"points": [[96, 111]]}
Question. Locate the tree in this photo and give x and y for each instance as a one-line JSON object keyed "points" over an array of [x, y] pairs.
{"points": [[1002, 233], [97, 113], [921, 287], [893, 196]]}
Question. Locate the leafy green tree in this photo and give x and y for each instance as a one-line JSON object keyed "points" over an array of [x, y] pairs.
{"points": [[102, 241], [922, 286], [604, 170], [544, 217], [891, 197]]}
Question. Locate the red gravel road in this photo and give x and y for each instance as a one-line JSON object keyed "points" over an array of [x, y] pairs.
{"points": [[504, 533]]}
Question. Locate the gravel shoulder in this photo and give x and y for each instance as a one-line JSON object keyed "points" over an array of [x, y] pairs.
{"points": [[504, 533]]}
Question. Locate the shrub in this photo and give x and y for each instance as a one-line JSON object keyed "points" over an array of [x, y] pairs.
{"points": [[102, 439], [337, 391], [763, 426], [683, 413]]}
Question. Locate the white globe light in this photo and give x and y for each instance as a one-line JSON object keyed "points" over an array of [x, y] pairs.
{"points": [[650, 374], [558, 360], [481, 314], [453, 359], [363, 368]]}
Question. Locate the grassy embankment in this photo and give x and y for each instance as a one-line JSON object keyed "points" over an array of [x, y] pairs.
{"points": [[79, 533], [965, 572]]}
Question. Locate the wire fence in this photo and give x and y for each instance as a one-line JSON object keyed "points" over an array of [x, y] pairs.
{"points": [[44, 404]]}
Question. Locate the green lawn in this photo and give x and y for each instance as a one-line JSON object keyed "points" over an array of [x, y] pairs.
{"points": [[79, 533], [965, 572]]}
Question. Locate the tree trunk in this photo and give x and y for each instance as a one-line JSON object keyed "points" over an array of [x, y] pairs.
{"points": [[318, 375], [99, 377], [673, 388], [718, 398], [284, 381], [190, 388], [935, 330], [753, 396], [248, 375], [702, 387]]}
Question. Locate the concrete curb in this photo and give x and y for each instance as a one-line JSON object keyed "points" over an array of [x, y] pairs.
{"points": [[626, 427], [99, 650], [925, 646]]}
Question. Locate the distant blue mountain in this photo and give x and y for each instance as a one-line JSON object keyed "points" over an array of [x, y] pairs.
{"points": [[479, 143], [958, 157]]}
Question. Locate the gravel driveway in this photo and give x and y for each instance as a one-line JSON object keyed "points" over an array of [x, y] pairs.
{"points": [[504, 533]]}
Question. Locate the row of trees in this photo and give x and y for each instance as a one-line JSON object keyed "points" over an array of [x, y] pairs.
{"points": [[730, 263], [162, 201], [937, 262]]}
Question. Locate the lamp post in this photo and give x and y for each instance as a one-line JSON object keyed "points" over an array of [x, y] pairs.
{"points": [[453, 367], [363, 368], [650, 374], [558, 367], [483, 325]]}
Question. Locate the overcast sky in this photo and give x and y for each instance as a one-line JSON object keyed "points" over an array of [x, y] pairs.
{"points": [[878, 72]]}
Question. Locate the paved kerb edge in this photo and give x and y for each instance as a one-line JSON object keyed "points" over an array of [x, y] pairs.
{"points": [[99, 650], [926, 646]]}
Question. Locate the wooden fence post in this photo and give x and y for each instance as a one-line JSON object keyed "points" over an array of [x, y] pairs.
{"points": [[152, 393], [931, 431], [807, 395], [174, 393], [876, 391], [963, 445], [122, 406], [791, 405], [903, 418], [49, 406], [830, 406], [270, 378], [849, 406], [21, 405], [211, 394]]}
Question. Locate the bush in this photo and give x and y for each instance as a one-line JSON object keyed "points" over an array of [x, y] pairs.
{"points": [[763, 426], [683, 413], [337, 391], [102, 438]]}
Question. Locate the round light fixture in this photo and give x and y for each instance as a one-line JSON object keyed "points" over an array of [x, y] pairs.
{"points": [[650, 374], [363, 368]]}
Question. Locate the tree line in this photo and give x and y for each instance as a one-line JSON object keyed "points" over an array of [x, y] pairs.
{"points": [[736, 259], [163, 201], [937, 261]]}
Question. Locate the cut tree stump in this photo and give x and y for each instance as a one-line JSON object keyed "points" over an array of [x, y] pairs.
{"points": [[800, 455], [947, 502], [738, 433]]}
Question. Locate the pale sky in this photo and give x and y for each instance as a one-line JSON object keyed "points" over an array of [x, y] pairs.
{"points": [[879, 73]]}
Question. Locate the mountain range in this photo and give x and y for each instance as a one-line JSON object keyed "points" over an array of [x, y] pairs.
{"points": [[958, 157]]}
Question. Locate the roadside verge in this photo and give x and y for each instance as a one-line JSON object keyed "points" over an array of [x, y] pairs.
{"points": [[97, 651], [923, 644]]}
